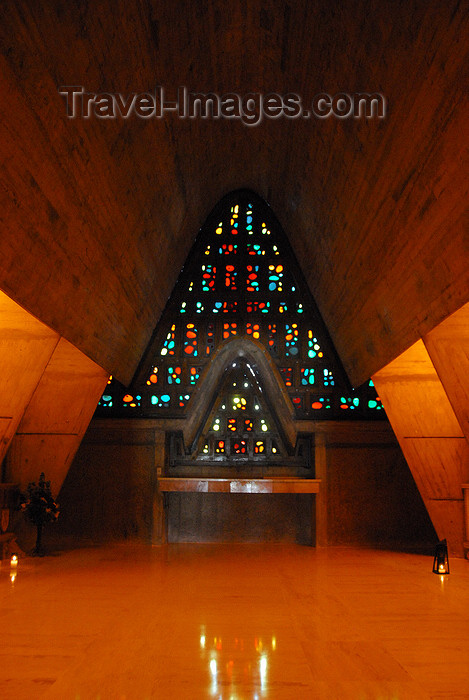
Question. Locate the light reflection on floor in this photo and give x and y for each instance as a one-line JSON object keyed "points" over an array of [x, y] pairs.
{"points": [[236, 661], [233, 622]]}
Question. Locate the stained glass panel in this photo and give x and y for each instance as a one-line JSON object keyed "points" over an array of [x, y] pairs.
{"points": [[241, 280]]}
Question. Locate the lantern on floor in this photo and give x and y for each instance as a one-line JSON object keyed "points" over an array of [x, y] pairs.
{"points": [[440, 560]]}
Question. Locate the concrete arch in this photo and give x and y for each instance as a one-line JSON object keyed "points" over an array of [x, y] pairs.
{"points": [[209, 383]]}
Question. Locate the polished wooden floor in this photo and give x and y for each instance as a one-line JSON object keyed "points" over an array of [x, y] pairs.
{"points": [[233, 622]]}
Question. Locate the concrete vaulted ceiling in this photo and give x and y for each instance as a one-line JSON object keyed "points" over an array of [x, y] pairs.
{"points": [[98, 215]]}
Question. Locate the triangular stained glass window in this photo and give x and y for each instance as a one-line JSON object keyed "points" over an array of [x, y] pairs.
{"points": [[241, 280]]}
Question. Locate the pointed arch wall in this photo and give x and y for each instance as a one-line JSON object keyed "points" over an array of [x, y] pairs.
{"points": [[359, 461], [226, 354]]}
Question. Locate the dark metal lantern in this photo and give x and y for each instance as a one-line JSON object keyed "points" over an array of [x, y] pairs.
{"points": [[440, 560]]}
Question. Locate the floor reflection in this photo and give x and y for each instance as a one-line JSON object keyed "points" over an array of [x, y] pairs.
{"points": [[232, 622], [235, 661]]}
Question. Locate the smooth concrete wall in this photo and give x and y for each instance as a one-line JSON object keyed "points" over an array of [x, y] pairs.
{"points": [[425, 404]]}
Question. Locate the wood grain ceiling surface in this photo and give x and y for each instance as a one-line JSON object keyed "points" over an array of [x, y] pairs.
{"points": [[98, 215]]}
